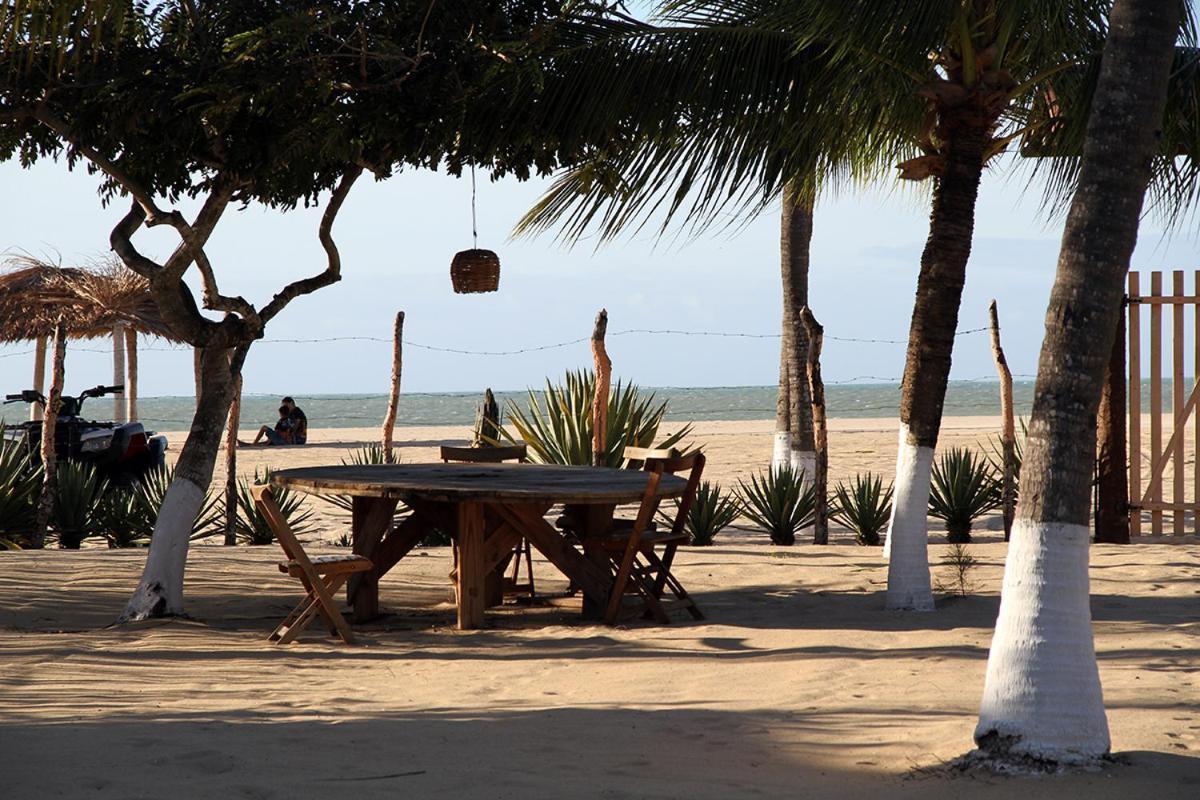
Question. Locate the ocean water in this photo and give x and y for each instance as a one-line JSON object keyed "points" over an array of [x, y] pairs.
{"points": [[963, 398]]}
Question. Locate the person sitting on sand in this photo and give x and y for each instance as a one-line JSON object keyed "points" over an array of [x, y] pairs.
{"points": [[299, 422], [282, 433]]}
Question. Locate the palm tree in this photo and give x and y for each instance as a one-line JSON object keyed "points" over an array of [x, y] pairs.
{"points": [[1042, 696], [732, 100], [794, 443]]}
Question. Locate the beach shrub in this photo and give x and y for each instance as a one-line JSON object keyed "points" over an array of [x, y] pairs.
{"points": [[863, 506], [557, 428], [127, 516], [711, 512], [964, 488], [20, 483], [957, 564], [780, 501], [77, 502], [251, 526]]}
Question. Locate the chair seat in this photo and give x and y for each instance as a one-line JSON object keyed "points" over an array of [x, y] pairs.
{"points": [[622, 529], [326, 565]]}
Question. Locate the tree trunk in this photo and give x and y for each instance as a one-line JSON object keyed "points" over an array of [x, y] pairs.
{"points": [[39, 376], [118, 350], [1042, 696], [131, 369], [1112, 471], [160, 591], [795, 239], [231, 477], [603, 366], [927, 365], [389, 420], [48, 497], [815, 335], [781, 453], [1008, 430]]}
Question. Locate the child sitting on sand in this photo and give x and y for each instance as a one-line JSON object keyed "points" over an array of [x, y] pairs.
{"points": [[281, 434]]}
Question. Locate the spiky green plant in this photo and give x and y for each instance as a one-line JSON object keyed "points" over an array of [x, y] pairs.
{"points": [[863, 506], [712, 511], [367, 455], [780, 501], [557, 424], [20, 481], [76, 502], [127, 516], [963, 489], [251, 526]]}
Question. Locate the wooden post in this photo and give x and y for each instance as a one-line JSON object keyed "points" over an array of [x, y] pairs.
{"points": [[197, 359], [1178, 468], [816, 394], [1008, 428], [1112, 487], [1156, 514], [231, 483], [49, 460], [472, 575], [389, 421], [131, 374], [1135, 402], [487, 424], [118, 351], [603, 366], [39, 376]]}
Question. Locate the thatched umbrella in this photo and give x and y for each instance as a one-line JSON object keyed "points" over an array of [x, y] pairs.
{"points": [[104, 301]]}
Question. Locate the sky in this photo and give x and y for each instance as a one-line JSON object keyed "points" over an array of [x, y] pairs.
{"points": [[397, 239]]}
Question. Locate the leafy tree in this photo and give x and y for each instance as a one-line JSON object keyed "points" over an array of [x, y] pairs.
{"points": [[242, 102]]}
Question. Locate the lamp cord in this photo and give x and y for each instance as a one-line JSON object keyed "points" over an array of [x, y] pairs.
{"points": [[474, 225]]}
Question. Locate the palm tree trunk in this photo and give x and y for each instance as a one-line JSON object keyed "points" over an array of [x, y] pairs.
{"points": [[795, 239], [1042, 696], [927, 365], [160, 591]]}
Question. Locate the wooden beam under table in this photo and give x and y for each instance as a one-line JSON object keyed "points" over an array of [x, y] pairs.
{"points": [[591, 579], [472, 574], [371, 518]]}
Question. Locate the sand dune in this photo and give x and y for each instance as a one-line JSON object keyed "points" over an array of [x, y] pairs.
{"points": [[798, 685]]}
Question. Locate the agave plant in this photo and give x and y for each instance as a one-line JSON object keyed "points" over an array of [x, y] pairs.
{"points": [[964, 488], [127, 516], [251, 526], [712, 511], [863, 506], [557, 425], [779, 501], [77, 502], [19, 484]]}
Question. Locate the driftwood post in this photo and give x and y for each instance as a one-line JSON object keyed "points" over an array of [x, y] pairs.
{"points": [[603, 366], [231, 444], [816, 395], [1112, 477], [131, 370], [118, 350], [1008, 429], [49, 461], [487, 424], [389, 421], [39, 376]]}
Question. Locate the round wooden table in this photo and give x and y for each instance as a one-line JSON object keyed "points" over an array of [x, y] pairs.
{"points": [[487, 508]]}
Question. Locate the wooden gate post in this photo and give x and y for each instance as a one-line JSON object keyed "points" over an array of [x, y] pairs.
{"points": [[1112, 485]]}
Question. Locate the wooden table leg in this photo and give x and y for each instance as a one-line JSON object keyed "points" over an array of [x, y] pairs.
{"points": [[371, 518], [472, 569], [593, 522]]}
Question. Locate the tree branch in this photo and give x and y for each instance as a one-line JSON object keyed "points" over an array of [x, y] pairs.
{"points": [[333, 272], [121, 240]]}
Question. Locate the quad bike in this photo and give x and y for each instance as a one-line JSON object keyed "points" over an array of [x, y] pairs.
{"points": [[120, 451]]}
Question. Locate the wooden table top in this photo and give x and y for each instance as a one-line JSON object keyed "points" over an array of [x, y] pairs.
{"points": [[457, 483]]}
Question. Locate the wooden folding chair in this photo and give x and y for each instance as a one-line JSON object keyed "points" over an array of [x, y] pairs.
{"points": [[495, 455], [640, 570], [321, 576]]}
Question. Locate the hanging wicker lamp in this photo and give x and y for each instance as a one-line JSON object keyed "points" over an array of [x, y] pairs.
{"points": [[475, 271]]}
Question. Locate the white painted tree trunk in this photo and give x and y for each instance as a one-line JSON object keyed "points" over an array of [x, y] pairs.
{"points": [[804, 461], [1042, 694], [907, 545], [160, 591], [781, 454]]}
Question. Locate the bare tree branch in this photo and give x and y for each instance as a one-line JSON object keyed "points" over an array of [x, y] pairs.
{"points": [[333, 272], [121, 240]]}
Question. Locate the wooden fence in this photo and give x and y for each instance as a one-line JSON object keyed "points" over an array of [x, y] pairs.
{"points": [[1164, 483]]}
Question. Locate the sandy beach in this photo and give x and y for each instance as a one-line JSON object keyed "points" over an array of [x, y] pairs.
{"points": [[798, 684]]}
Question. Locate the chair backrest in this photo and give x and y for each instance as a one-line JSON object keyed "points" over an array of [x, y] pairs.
{"points": [[485, 455], [667, 462], [265, 500]]}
